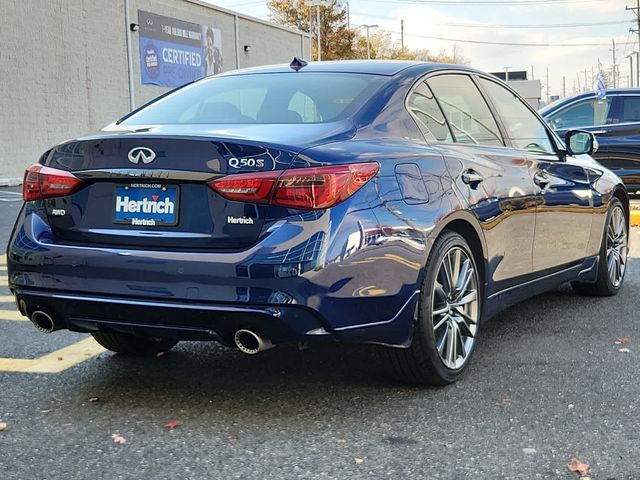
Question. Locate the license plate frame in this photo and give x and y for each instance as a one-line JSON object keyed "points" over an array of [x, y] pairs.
{"points": [[143, 213]]}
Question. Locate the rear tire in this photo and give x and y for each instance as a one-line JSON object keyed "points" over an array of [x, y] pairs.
{"points": [[612, 259], [133, 345], [446, 328]]}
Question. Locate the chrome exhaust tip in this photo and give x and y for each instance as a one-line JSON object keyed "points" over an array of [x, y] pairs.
{"points": [[250, 342], [42, 321]]}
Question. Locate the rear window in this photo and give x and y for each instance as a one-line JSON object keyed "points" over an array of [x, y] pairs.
{"points": [[293, 98]]}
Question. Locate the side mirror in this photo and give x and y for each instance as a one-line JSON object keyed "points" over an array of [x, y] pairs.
{"points": [[579, 142]]}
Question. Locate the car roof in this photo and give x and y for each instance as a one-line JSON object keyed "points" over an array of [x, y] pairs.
{"points": [[371, 67], [552, 107]]}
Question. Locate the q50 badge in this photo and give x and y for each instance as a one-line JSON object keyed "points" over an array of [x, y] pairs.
{"points": [[246, 162]]}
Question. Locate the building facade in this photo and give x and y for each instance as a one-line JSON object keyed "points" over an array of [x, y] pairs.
{"points": [[70, 67]]}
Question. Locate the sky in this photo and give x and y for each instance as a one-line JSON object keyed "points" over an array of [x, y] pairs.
{"points": [[465, 21]]}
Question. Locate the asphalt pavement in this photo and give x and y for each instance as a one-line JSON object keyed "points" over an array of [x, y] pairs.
{"points": [[548, 383]]}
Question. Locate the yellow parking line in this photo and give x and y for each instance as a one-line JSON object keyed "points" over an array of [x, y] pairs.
{"points": [[635, 217], [7, 299], [54, 362], [3, 260], [12, 315], [3, 281]]}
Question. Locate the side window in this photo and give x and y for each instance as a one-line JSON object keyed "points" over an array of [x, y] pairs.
{"points": [[422, 104], [525, 130], [588, 113], [465, 109], [630, 109]]}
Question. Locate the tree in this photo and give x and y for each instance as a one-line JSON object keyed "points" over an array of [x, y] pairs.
{"points": [[454, 56], [336, 39]]}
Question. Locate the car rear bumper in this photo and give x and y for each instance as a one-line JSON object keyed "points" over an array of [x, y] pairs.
{"points": [[171, 319], [302, 277]]}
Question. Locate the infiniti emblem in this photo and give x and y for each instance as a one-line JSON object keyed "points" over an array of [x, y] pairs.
{"points": [[141, 153]]}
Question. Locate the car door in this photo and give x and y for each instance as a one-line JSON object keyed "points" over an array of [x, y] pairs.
{"points": [[493, 178], [564, 210], [619, 140], [615, 120]]}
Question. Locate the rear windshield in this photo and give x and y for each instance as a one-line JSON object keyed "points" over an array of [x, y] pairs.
{"points": [[262, 98]]}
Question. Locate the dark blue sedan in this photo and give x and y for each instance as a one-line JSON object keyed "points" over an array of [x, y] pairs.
{"points": [[615, 120], [400, 204]]}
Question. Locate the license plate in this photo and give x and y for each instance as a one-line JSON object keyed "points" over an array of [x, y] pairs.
{"points": [[146, 205]]}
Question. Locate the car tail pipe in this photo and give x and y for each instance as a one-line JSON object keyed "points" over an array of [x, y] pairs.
{"points": [[44, 322], [250, 342]]}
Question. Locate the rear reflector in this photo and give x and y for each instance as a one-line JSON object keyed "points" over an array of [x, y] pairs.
{"points": [[44, 182], [300, 188]]}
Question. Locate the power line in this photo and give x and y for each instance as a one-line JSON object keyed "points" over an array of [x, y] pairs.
{"points": [[513, 44], [479, 3], [486, 25]]}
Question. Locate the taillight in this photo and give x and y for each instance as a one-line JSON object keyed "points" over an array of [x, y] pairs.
{"points": [[300, 188], [45, 182]]}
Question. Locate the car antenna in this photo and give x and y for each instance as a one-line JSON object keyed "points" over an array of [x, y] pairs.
{"points": [[297, 63]]}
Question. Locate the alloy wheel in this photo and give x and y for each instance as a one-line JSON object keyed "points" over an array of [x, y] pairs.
{"points": [[617, 247], [455, 308]]}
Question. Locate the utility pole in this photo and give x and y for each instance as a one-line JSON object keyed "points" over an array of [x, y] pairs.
{"points": [[348, 17], [613, 66], [402, 34], [532, 77], [548, 97], [636, 10], [578, 76], [564, 86], [506, 74], [318, 22]]}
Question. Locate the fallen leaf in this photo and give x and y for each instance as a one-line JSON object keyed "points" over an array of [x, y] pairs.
{"points": [[359, 461], [93, 399], [341, 440], [160, 354], [3, 426], [118, 438], [505, 400], [623, 341], [577, 466], [234, 435], [60, 359], [171, 424], [624, 350]]}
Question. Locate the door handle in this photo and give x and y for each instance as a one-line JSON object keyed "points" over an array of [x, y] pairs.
{"points": [[471, 178], [541, 179], [600, 132]]}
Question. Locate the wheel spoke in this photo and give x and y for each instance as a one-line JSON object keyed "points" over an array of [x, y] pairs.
{"points": [[471, 296], [443, 320], [448, 275], [463, 327], [452, 344], [467, 318]]}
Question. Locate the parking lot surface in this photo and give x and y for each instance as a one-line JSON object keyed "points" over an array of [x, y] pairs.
{"points": [[553, 378]]}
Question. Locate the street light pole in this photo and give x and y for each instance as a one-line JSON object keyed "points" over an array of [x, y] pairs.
{"points": [[368, 40]]}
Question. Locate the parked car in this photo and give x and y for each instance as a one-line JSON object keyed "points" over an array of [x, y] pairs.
{"points": [[400, 204], [615, 120]]}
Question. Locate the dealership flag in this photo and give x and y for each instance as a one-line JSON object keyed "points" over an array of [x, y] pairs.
{"points": [[601, 91]]}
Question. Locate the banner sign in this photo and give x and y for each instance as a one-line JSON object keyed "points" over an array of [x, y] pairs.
{"points": [[174, 52]]}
